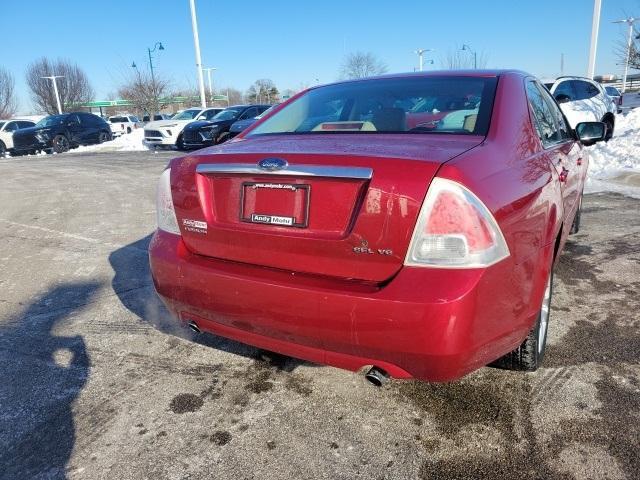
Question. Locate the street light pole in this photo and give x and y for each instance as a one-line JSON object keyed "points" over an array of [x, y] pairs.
{"points": [[55, 90], [196, 42], [159, 46], [420, 52], [209, 70], [629, 21], [475, 55], [595, 26]]}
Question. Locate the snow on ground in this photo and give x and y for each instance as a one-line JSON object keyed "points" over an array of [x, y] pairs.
{"points": [[129, 142], [615, 165]]}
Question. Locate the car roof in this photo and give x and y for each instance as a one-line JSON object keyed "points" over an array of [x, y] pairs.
{"points": [[438, 73]]}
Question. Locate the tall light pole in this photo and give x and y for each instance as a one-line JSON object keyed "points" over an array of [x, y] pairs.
{"points": [[420, 52], [209, 70], [55, 90], [629, 21], [595, 26], [158, 46], [473, 52], [196, 42]]}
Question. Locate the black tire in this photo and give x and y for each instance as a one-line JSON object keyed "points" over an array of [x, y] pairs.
{"points": [[223, 137], [610, 125], [60, 144], [128, 129], [103, 137], [3, 149], [529, 355], [180, 143], [575, 226]]}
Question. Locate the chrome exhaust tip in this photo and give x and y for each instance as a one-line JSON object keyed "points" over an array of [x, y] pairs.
{"points": [[377, 376], [194, 327]]}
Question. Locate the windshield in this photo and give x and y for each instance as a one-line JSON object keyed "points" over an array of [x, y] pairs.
{"points": [[51, 120], [417, 104], [612, 91], [228, 114], [186, 115]]}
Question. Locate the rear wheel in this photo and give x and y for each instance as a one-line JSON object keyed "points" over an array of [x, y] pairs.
{"points": [[575, 226], [59, 144], [3, 149], [103, 137], [528, 356], [128, 129]]}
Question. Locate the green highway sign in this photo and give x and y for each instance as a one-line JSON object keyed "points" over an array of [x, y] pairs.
{"points": [[220, 97]]}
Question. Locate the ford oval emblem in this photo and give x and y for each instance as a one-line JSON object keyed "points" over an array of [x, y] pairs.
{"points": [[272, 164]]}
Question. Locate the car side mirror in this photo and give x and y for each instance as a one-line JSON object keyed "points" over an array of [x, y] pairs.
{"points": [[591, 132], [562, 98]]}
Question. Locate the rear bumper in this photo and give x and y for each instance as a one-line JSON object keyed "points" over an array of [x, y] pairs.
{"points": [[431, 324]]}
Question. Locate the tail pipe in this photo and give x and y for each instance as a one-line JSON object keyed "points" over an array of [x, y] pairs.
{"points": [[194, 327], [377, 376]]}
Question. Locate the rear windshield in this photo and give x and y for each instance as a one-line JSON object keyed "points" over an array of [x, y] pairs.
{"points": [[451, 104], [118, 119], [612, 91]]}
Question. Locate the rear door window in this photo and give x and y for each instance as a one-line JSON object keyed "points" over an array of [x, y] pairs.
{"points": [[11, 127]]}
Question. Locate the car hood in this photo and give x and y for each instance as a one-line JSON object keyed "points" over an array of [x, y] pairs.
{"points": [[242, 124], [165, 123], [32, 131], [205, 123]]}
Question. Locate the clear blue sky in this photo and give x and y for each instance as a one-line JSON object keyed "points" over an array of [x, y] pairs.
{"points": [[295, 43]]}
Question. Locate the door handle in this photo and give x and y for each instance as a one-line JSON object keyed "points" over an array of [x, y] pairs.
{"points": [[564, 174]]}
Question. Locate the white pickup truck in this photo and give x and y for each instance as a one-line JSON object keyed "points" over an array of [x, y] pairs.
{"points": [[121, 124]]}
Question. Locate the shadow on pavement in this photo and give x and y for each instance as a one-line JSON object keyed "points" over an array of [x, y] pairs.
{"points": [[41, 376], [133, 285]]}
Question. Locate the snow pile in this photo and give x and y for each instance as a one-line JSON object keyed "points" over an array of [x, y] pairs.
{"points": [[129, 142], [615, 165]]}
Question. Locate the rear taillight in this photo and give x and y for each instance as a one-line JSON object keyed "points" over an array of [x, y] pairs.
{"points": [[164, 204], [455, 230]]}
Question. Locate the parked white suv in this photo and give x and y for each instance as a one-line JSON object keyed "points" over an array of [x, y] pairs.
{"points": [[121, 124], [583, 100], [7, 127], [169, 132]]}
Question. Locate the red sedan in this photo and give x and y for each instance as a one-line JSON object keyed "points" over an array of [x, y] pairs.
{"points": [[335, 231]]}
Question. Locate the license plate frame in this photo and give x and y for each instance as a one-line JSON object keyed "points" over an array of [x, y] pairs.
{"points": [[274, 219]]}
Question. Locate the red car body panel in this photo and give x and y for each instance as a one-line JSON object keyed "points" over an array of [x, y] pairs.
{"points": [[305, 293]]}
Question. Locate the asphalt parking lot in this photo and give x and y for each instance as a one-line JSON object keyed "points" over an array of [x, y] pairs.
{"points": [[96, 381]]}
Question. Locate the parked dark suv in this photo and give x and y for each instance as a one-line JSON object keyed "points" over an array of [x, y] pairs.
{"points": [[59, 133], [211, 132]]}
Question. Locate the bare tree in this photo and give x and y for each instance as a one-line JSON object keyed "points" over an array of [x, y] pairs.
{"points": [[620, 51], [235, 95], [144, 92], [362, 64], [8, 103], [263, 91], [74, 87], [458, 59]]}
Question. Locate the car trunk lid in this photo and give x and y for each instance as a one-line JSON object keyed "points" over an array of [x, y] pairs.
{"points": [[340, 205]]}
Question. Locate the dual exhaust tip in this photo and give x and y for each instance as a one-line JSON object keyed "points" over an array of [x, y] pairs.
{"points": [[376, 376]]}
